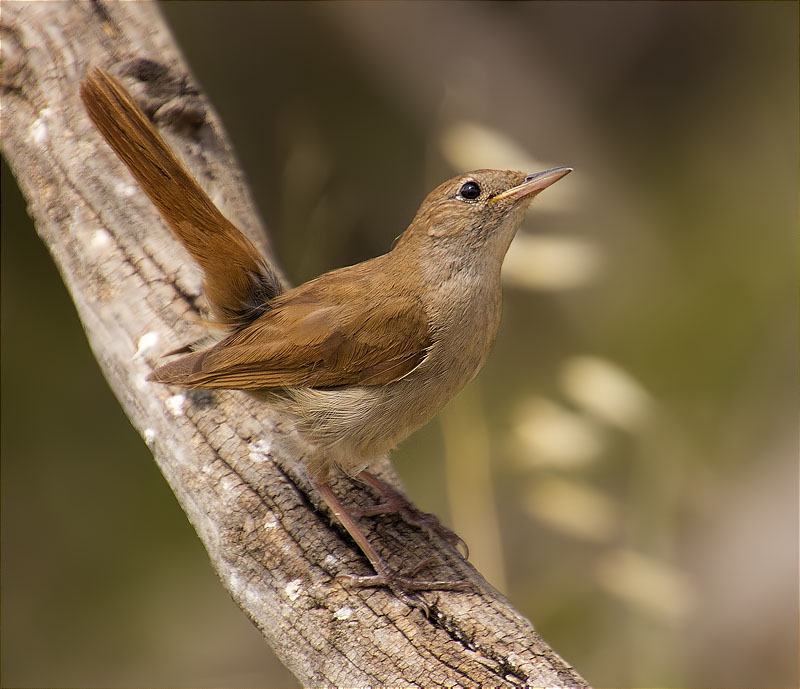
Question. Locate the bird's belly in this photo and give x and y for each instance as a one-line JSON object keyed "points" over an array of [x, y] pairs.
{"points": [[354, 426]]}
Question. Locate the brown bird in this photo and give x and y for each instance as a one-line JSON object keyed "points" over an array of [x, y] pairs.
{"points": [[359, 357]]}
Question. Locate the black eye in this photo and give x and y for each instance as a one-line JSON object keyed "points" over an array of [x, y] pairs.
{"points": [[469, 191]]}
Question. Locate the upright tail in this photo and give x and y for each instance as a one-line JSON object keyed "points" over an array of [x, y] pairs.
{"points": [[238, 280]]}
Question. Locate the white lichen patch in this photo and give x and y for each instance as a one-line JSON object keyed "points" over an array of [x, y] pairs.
{"points": [[149, 436], [175, 404], [253, 596], [218, 197], [101, 239], [293, 589], [124, 189], [343, 613], [259, 450], [146, 343], [331, 560], [39, 133], [271, 523]]}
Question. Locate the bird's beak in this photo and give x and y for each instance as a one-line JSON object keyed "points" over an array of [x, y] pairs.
{"points": [[533, 184]]}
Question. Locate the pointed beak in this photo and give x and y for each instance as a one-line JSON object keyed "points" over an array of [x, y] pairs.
{"points": [[533, 184]]}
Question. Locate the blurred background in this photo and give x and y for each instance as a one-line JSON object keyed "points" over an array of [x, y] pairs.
{"points": [[624, 468]]}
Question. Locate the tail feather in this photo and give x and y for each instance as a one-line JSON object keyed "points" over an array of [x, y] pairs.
{"points": [[182, 371], [238, 281]]}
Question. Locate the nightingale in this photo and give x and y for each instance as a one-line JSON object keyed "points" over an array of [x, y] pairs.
{"points": [[360, 357]]}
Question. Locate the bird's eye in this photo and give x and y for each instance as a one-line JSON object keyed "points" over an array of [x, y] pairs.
{"points": [[469, 191]]}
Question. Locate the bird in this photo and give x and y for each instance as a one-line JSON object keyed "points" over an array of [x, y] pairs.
{"points": [[360, 357]]}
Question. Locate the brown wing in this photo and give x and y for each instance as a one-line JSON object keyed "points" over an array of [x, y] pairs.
{"points": [[306, 341]]}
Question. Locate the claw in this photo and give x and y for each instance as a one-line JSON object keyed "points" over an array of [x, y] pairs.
{"points": [[402, 584], [396, 503]]}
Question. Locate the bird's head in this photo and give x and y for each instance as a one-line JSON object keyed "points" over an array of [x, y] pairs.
{"points": [[477, 212]]}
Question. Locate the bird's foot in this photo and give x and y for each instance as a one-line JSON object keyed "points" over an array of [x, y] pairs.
{"points": [[404, 584], [396, 503]]}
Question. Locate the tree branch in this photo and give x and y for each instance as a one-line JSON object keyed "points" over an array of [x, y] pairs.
{"points": [[234, 465]]}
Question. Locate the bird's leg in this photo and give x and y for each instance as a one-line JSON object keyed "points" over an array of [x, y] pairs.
{"points": [[394, 502], [400, 583]]}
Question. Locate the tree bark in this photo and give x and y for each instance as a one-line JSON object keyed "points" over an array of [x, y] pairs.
{"points": [[234, 464]]}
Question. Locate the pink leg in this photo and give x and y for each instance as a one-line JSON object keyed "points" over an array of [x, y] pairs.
{"points": [[396, 503], [400, 583]]}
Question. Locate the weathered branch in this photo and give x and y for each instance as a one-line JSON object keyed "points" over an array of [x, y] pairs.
{"points": [[233, 464]]}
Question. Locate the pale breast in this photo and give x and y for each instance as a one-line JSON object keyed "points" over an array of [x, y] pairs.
{"points": [[353, 426]]}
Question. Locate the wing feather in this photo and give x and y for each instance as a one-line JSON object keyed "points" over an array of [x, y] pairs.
{"points": [[306, 341]]}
